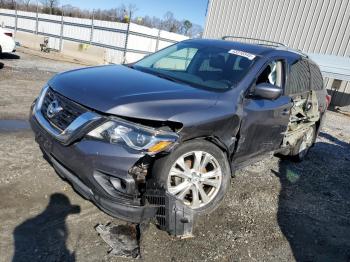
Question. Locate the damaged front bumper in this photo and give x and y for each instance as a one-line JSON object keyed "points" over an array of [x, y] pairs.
{"points": [[91, 165], [85, 161], [127, 212]]}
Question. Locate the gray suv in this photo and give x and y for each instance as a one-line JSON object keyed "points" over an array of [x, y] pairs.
{"points": [[181, 120]]}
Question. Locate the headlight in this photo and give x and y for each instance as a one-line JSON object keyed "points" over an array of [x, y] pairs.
{"points": [[135, 136]]}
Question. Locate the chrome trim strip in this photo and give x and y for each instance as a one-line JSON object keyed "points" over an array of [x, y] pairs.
{"points": [[78, 124]]}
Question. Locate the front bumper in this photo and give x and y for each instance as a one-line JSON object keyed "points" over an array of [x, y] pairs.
{"points": [[80, 162]]}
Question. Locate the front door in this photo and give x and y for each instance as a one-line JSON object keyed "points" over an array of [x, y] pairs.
{"points": [[265, 121]]}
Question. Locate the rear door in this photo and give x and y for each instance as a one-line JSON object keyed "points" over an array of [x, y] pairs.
{"points": [[265, 121]]}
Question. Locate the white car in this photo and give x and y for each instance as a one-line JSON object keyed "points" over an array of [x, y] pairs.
{"points": [[7, 43]]}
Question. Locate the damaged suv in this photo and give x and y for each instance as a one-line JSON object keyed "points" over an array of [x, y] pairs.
{"points": [[182, 120]]}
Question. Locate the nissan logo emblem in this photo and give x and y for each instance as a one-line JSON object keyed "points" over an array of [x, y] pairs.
{"points": [[53, 109]]}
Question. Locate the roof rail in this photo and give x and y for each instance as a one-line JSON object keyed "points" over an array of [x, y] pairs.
{"points": [[268, 43], [271, 43], [297, 51]]}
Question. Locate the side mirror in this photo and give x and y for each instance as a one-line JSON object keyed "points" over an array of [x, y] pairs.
{"points": [[267, 91]]}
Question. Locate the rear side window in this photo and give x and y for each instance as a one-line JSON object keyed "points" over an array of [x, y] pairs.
{"points": [[316, 77], [299, 77]]}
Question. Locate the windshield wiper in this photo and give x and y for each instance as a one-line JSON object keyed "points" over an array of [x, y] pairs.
{"points": [[167, 77], [160, 75], [164, 76], [130, 65]]}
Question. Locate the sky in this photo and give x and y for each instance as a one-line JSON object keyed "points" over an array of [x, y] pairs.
{"points": [[193, 10]]}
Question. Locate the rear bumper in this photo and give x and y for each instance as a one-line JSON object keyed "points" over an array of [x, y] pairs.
{"points": [[79, 162]]}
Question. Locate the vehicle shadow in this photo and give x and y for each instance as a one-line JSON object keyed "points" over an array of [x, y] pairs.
{"points": [[9, 56], [314, 202], [43, 238], [2, 65]]}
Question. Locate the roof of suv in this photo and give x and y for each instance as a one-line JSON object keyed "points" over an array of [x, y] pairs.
{"points": [[257, 49]]}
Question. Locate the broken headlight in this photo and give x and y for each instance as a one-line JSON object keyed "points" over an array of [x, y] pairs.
{"points": [[135, 136]]}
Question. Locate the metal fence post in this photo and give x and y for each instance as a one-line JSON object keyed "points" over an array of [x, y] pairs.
{"points": [[37, 18], [61, 34], [157, 44], [16, 18], [92, 27], [126, 40]]}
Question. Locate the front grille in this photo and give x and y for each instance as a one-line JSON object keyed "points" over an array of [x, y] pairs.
{"points": [[70, 110]]}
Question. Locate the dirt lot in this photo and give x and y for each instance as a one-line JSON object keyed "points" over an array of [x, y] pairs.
{"points": [[275, 210]]}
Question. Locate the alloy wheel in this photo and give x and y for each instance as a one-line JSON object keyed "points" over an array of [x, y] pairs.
{"points": [[195, 178]]}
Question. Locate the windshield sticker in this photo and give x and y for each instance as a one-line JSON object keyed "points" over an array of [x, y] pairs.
{"points": [[241, 53]]}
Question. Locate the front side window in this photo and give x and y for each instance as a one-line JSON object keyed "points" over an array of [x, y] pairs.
{"points": [[272, 74], [198, 65]]}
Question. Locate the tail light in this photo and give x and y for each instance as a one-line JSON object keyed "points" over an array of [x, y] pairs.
{"points": [[8, 34], [328, 99]]}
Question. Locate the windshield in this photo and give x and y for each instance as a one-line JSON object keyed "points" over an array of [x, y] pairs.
{"points": [[198, 65]]}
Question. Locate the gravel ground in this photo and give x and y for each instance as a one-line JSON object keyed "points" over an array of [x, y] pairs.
{"points": [[274, 211]]}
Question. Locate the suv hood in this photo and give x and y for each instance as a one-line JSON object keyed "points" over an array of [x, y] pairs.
{"points": [[127, 92]]}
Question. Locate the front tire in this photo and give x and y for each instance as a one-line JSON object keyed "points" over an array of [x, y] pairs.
{"points": [[197, 173]]}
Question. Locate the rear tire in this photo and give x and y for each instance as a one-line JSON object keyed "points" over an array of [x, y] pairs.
{"points": [[301, 149], [203, 190]]}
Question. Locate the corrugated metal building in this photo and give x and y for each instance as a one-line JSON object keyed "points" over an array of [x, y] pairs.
{"points": [[320, 28]]}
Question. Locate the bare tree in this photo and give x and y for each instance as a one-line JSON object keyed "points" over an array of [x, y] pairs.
{"points": [[128, 12], [187, 26], [12, 4], [196, 31], [73, 11], [131, 9], [26, 4], [50, 5], [168, 21]]}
